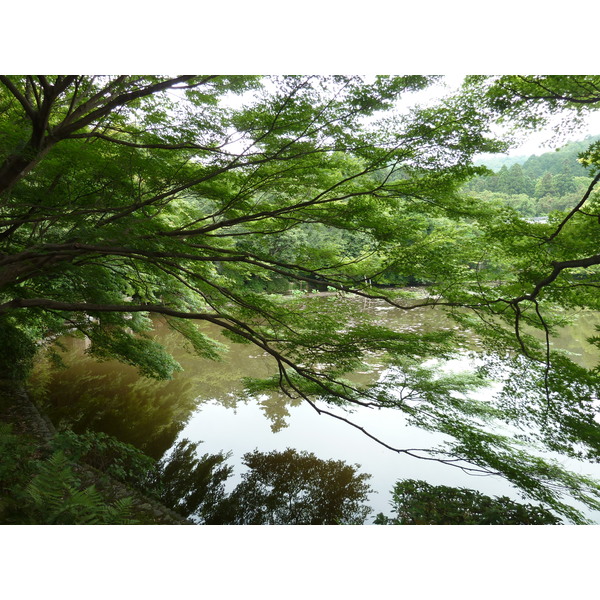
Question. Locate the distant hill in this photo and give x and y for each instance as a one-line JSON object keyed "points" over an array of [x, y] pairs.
{"points": [[535, 185], [495, 162], [562, 160]]}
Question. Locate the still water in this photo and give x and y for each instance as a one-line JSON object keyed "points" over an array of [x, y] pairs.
{"points": [[204, 402]]}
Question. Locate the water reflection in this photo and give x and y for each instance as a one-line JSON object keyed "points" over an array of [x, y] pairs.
{"points": [[295, 488], [573, 339], [205, 402], [111, 397], [87, 396]]}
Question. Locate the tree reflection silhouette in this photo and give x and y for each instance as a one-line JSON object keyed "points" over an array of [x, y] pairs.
{"points": [[417, 502], [82, 394], [190, 484], [295, 488], [145, 413]]}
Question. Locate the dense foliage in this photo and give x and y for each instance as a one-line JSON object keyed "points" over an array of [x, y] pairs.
{"points": [[187, 197], [44, 488], [537, 185]]}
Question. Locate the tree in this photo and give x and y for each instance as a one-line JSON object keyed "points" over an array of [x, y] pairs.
{"points": [[191, 485], [419, 503], [295, 488], [545, 186], [126, 197], [520, 183]]}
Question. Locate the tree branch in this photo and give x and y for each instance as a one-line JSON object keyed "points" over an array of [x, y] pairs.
{"points": [[69, 126], [575, 209], [27, 107], [558, 267], [113, 140]]}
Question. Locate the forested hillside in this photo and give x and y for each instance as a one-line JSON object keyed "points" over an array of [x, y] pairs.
{"points": [[538, 184]]}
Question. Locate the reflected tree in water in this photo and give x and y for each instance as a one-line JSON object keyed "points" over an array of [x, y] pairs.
{"points": [[416, 502], [275, 408], [90, 396], [190, 484], [295, 488]]}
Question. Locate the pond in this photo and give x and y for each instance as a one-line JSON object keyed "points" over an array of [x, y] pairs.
{"points": [[204, 402]]}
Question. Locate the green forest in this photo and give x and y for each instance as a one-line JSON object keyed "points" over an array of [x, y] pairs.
{"points": [[270, 208], [536, 185]]}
